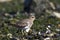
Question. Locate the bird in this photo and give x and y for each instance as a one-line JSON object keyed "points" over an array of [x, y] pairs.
{"points": [[26, 24]]}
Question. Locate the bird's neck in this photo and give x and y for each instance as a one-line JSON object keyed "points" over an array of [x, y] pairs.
{"points": [[31, 19]]}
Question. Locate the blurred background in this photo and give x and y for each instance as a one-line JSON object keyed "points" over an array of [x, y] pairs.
{"points": [[45, 27]]}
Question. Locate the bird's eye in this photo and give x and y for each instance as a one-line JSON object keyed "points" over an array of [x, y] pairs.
{"points": [[32, 17]]}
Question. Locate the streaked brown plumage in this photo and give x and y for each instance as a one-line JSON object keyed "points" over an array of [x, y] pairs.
{"points": [[26, 24]]}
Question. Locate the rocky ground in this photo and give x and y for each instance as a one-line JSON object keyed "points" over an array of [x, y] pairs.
{"points": [[45, 27]]}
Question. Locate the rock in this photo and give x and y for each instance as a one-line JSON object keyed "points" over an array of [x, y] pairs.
{"points": [[5, 0], [40, 5], [48, 38], [14, 38], [58, 30], [58, 7], [36, 39]]}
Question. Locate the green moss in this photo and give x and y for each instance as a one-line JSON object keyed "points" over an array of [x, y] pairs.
{"points": [[39, 24]]}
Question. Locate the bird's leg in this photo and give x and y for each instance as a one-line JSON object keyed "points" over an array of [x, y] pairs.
{"points": [[25, 33], [22, 32], [30, 31]]}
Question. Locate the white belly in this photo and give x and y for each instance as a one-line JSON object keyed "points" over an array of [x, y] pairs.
{"points": [[27, 28]]}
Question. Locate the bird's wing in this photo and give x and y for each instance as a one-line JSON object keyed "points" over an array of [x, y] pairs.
{"points": [[22, 24]]}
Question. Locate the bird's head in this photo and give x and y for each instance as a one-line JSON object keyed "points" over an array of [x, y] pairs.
{"points": [[32, 17]]}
